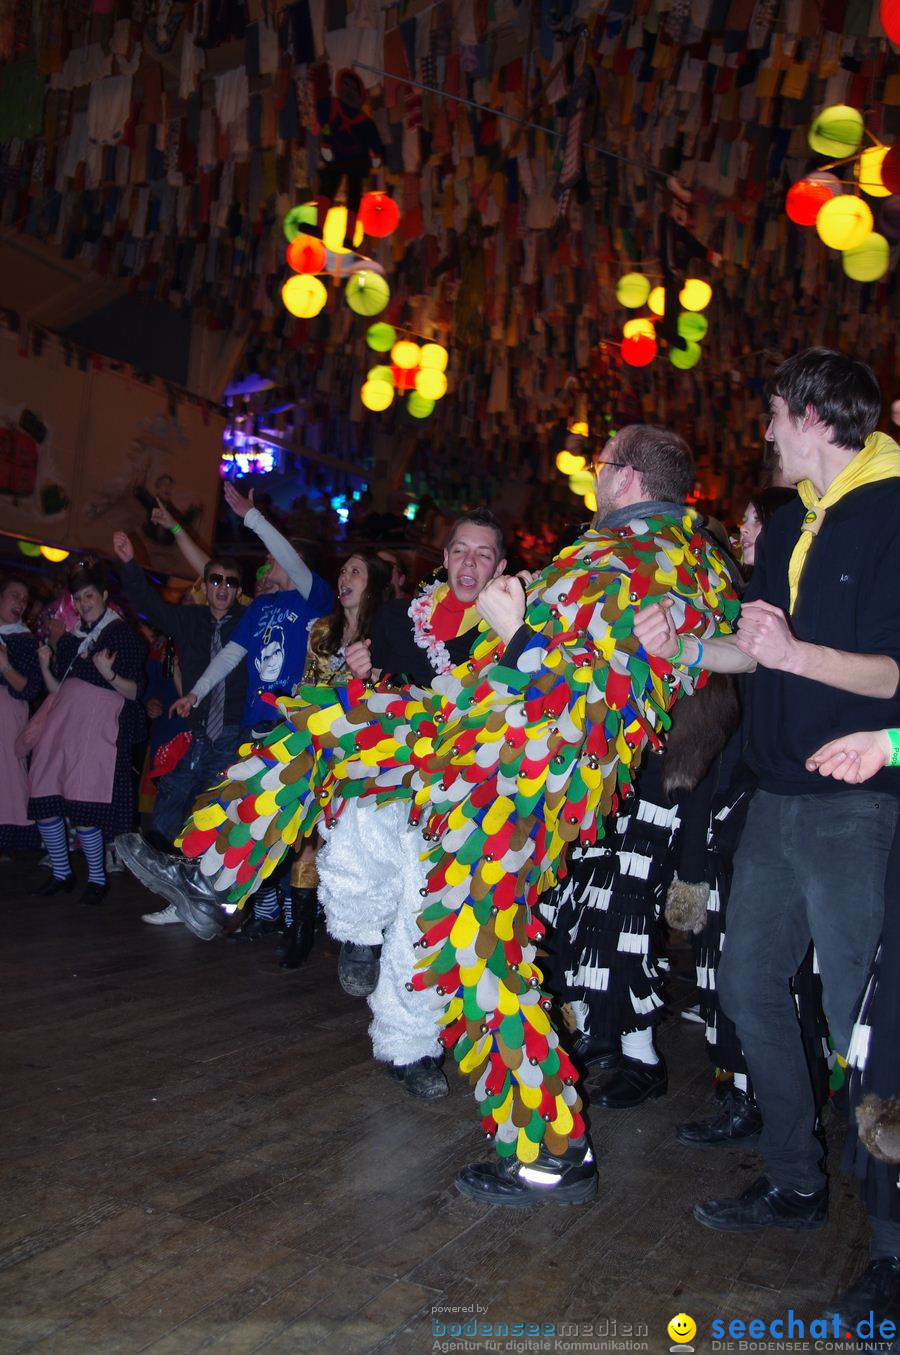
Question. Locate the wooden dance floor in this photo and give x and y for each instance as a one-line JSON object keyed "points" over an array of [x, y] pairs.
{"points": [[199, 1154]]}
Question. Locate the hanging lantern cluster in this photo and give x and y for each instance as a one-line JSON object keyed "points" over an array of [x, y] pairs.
{"points": [[366, 291], [843, 218], [34, 549], [639, 340], [415, 370], [573, 463]]}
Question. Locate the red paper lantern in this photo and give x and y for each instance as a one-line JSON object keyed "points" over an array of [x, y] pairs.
{"points": [[404, 377], [378, 214], [306, 254], [808, 196], [639, 351], [890, 20], [890, 169]]}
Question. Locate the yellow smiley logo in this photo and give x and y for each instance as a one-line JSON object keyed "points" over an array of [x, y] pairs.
{"points": [[682, 1328]]}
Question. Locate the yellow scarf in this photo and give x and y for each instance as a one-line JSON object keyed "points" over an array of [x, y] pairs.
{"points": [[878, 460]]}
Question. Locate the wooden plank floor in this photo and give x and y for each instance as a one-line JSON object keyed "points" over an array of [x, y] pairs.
{"points": [[199, 1154]]}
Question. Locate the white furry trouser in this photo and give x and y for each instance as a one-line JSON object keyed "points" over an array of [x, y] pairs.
{"points": [[369, 881]]}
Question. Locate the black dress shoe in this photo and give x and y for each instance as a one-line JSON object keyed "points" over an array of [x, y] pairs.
{"points": [[52, 886], [632, 1083], [569, 1179], [424, 1079], [359, 968], [94, 893], [764, 1205], [876, 1290], [738, 1118], [596, 1054]]}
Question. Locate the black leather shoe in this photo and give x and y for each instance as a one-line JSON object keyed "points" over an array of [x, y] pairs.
{"points": [[570, 1179], [52, 886], [632, 1083], [300, 935], [764, 1205], [177, 881], [358, 968], [94, 893], [424, 1078], [738, 1118], [596, 1054], [876, 1290]]}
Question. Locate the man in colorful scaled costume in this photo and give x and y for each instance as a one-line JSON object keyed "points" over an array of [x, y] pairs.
{"points": [[504, 762]]}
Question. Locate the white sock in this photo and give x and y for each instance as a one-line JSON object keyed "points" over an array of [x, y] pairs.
{"points": [[741, 1081], [638, 1044]]}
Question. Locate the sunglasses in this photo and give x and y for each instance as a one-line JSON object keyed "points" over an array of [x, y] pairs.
{"points": [[228, 579]]}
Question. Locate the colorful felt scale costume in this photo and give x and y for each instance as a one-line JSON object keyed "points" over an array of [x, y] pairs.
{"points": [[503, 767]]}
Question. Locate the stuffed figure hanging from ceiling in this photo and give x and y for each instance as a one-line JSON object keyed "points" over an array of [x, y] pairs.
{"points": [[678, 247], [350, 148]]}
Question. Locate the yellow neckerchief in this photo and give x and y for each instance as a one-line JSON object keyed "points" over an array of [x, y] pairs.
{"points": [[878, 460], [469, 616]]}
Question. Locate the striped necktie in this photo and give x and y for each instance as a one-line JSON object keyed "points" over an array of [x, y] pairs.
{"points": [[215, 715]]}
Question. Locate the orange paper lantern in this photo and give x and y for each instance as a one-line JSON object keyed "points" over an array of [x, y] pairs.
{"points": [[306, 254], [639, 351]]}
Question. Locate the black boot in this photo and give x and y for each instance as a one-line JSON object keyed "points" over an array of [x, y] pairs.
{"points": [[300, 935]]}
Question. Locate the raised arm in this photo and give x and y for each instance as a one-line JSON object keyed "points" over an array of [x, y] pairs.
{"points": [[169, 617], [277, 545], [195, 556]]}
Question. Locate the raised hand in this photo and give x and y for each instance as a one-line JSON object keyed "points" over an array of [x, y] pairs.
{"points": [[236, 501], [502, 604], [105, 663], [161, 517], [122, 546], [358, 659]]}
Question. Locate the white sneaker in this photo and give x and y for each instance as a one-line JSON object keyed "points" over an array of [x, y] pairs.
{"points": [[163, 917]]}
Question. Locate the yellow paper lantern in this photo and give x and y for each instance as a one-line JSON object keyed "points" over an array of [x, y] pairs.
{"points": [[695, 295], [657, 301], [579, 429], [54, 554], [418, 406], [632, 290], [639, 328], [431, 384], [569, 464], [405, 354], [590, 502], [837, 131], [433, 357], [376, 395], [685, 358], [304, 295], [335, 230], [868, 172], [869, 261], [844, 222]]}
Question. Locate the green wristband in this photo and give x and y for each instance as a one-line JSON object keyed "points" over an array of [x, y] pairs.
{"points": [[679, 653], [894, 740], [176, 529]]}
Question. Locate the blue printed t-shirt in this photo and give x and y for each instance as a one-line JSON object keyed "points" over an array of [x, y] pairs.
{"points": [[273, 630]]}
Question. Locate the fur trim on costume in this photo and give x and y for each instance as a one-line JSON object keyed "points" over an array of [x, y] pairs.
{"points": [[701, 727], [879, 1126], [686, 905]]}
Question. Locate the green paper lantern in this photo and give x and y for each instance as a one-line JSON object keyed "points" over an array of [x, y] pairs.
{"points": [[367, 293], [30, 548], [380, 373], [869, 261], [692, 325], [381, 337], [299, 218], [632, 290], [581, 483], [418, 406], [837, 131], [685, 358]]}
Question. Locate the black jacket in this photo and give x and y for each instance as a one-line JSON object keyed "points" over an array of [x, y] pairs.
{"points": [[395, 652], [191, 628]]}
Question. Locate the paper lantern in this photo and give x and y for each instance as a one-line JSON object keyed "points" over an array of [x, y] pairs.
{"points": [[378, 214], [335, 230], [380, 373], [638, 352], [632, 290], [431, 384], [376, 395], [54, 554], [844, 222], [404, 377], [582, 482], [868, 171], [418, 406], [306, 254], [300, 217], [590, 502], [807, 196], [837, 131], [381, 337], [434, 357], [367, 293], [304, 295], [689, 325], [657, 301], [890, 21], [695, 295], [30, 548], [569, 464], [639, 328], [405, 354], [869, 261], [890, 169], [685, 358], [579, 429], [889, 217]]}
